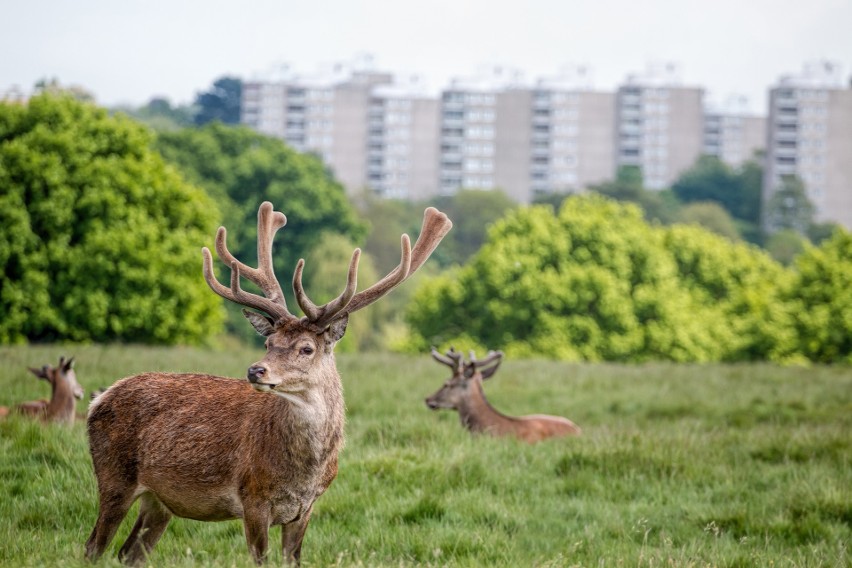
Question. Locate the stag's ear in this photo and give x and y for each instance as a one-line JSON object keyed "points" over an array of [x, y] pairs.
{"points": [[40, 373], [335, 331], [489, 372], [66, 366], [469, 370], [261, 324]]}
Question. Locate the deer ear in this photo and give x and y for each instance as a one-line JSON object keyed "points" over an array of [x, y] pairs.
{"points": [[40, 373], [335, 331], [261, 324], [67, 365], [489, 372]]}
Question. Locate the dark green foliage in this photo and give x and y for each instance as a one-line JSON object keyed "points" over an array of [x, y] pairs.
{"points": [[628, 186], [789, 207], [99, 239], [472, 212], [221, 103], [710, 179]]}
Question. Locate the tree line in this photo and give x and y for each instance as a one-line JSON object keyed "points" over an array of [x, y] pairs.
{"points": [[102, 219]]}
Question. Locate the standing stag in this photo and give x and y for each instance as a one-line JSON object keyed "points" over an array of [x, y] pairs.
{"points": [[64, 390], [211, 448], [463, 392]]}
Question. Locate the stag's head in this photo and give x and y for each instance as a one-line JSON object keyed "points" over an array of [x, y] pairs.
{"points": [[59, 377], [466, 374], [298, 349]]}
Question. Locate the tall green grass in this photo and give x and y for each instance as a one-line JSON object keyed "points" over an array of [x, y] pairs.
{"points": [[679, 465]]}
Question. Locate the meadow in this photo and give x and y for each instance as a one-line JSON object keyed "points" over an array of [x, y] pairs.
{"points": [[678, 465]]}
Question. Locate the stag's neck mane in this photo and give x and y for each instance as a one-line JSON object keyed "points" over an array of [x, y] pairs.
{"points": [[477, 414]]}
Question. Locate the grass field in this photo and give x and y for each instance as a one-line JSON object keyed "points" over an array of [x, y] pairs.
{"points": [[679, 465]]}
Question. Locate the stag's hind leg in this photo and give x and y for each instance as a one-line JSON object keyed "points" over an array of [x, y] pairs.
{"points": [[114, 504], [291, 538], [153, 519]]}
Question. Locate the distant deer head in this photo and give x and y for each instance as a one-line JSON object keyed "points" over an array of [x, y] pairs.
{"points": [[209, 448], [463, 392], [64, 389]]}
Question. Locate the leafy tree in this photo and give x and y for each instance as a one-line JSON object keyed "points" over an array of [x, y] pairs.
{"points": [[472, 212], [240, 169], [785, 245], [596, 282], [388, 219], [743, 288], [738, 191], [221, 103], [789, 207], [160, 115], [628, 186], [592, 283], [818, 232], [99, 239], [821, 297], [712, 217]]}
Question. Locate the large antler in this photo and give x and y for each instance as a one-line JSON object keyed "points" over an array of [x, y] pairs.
{"points": [[268, 223], [473, 365], [453, 359], [435, 226]]}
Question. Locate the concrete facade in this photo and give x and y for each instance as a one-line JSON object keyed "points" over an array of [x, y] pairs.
{"points": [[810, 136]]}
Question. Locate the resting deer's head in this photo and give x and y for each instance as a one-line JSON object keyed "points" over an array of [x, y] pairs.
{"points": [[299, 350], [465, 375], [60, 377]]}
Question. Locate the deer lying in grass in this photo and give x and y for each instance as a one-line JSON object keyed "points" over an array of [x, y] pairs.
{"points": [[463, 392], [64, 390], [210, 448]]}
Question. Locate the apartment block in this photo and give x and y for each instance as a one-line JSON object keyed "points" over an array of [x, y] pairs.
{"points": [[497, 132], [403, 143], [810, 136], [467, 137], [573, 135], [659, 125], [732, 134], [326, 114]]}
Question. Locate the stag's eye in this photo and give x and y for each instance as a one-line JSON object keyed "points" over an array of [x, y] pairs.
{"points": [[306, 350]]}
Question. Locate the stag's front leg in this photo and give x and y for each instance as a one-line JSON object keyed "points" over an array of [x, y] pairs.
{"points": [[291, 538], [256, 524]]}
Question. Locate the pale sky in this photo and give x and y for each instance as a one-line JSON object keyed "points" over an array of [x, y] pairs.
{"points": [[126, 51]]}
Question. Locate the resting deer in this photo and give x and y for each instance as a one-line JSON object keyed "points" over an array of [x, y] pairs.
{"points": [[463, 392], [211, 448], [64, 389]]}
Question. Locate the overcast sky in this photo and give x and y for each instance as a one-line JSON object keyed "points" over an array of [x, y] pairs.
{"points": [[126, 51]]}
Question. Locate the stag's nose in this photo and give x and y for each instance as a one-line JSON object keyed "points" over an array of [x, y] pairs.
{"points": [[256, 373], [431, 404]]}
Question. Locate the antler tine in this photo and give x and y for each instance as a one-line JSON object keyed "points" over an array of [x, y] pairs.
{"points": [[435, 226], [491, 357], [456, 356], [238, 295], [268, 223], [443, 359], [321, 316]]}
